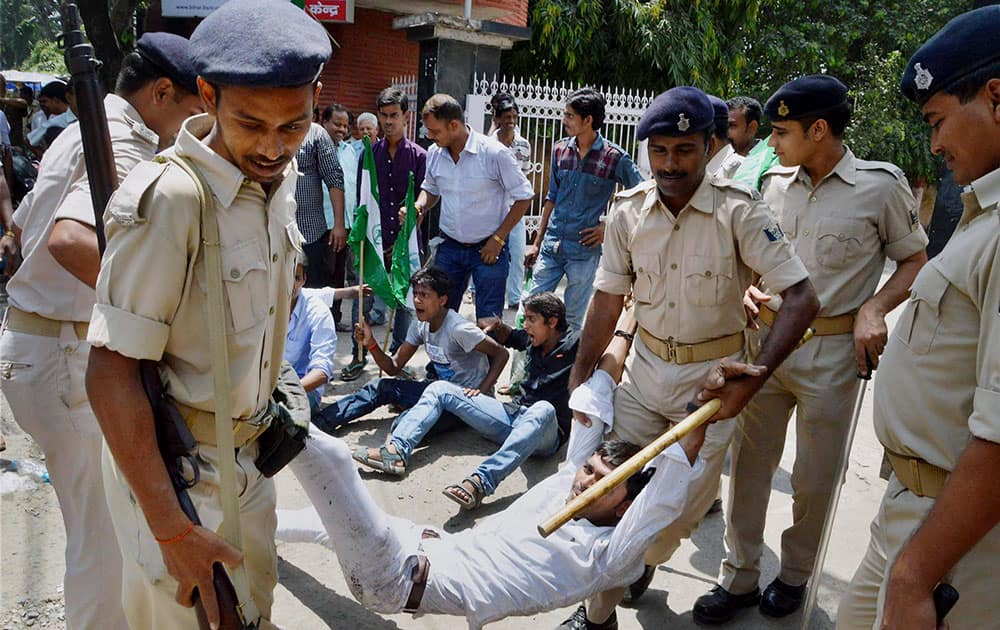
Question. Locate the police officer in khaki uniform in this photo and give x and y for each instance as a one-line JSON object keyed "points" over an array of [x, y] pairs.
{"points": [[845, 217], [686, 245], [937, 390], [152, 304], [43, 346]]}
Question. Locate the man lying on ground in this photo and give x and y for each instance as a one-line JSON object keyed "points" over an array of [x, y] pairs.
{"points": [[459, 351], [503, 566]]}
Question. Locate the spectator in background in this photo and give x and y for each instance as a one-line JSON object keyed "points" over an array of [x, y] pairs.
{"points": [[585, 169], [337, 122], [317, 163], [505, 119], [744, 119], [723, 160], [367, 126], [395, 158]]}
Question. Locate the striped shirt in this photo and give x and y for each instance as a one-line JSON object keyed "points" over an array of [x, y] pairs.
{"points": [[317, 163]]}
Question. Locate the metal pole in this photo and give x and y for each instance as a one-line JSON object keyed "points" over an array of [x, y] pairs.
{"points": [[468, 9]]}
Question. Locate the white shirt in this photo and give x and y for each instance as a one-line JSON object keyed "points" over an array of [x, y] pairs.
{"points": [[62, 190], [475, 190], [725, 162], [504, 567], [4, 130]]}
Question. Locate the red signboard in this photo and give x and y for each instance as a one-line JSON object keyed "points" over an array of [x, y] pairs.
{"points": [[341, 11]]}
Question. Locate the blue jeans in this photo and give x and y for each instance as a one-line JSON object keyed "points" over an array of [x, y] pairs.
{"points": [[516, 240], [550, 268], [525, 431], [383, 391], [462, 261]]}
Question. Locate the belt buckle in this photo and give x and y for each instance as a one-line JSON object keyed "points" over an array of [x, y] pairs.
{"points": [[671, 348]]}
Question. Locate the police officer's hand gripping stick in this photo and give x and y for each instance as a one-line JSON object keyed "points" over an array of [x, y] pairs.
{"points": [[629, 467]]}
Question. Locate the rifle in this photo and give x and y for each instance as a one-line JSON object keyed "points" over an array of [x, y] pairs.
{"points": [[173, 436]]}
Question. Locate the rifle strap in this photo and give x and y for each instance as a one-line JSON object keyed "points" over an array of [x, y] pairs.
{"points": [[230, 529]]}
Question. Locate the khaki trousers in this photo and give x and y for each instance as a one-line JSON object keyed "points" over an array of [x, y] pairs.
{"points": [[148, 590], [898, 517], [43, 381], [652, 397], [820, 383]]}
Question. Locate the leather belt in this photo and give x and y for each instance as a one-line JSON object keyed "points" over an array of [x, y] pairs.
{"points": [[202, 425], [34, 324], [420, 574], [920, 477], [681, 353], [822, 326]]}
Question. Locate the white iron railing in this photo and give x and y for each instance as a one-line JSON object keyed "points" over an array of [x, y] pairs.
{"points": [[408, 83], [541, 105]]}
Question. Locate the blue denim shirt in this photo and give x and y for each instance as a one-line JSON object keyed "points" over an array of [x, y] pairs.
{"points": [[580, 189], [312, 338]]}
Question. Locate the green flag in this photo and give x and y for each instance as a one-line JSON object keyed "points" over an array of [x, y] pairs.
{"points": [[406, 251], [367, 232], [759, 161]]}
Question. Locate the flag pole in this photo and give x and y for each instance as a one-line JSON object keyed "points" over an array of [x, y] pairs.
{"points": [[361, 298], [388, 335]]}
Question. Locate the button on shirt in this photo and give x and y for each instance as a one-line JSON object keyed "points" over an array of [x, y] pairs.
{"points": [[152, 300], [938, 381], [312, 338], [393, 175], [317, 164], [580, 188], [503, 567], [475, 191], [844, 227], [62, 191], [688, 273]]}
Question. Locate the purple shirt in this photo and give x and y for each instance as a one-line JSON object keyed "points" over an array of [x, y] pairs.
{"points": [[393, 179]]}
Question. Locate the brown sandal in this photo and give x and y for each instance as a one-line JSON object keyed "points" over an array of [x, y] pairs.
{"points": [[462, 496]]}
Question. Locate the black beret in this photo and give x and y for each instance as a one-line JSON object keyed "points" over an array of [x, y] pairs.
{"points": [[721, 110], [172, 55], [965, 45], [260, 43], [54, 89], [677, 112], [804, 96]]}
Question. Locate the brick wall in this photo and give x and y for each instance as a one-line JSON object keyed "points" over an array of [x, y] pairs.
{"points": [[518, 10], [370, 55]]}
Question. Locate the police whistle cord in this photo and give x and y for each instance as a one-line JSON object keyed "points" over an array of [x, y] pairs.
{"points": [[629, 467], [173, 436]]}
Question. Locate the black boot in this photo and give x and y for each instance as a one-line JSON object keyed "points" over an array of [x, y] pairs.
{"points": [[780, 599], [637, 588], [579, 621], [719, 605]]}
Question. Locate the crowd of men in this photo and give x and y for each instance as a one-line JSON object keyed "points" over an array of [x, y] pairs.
{"points": [[236, 193]]}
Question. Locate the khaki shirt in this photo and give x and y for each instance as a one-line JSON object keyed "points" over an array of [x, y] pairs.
{"points": [[725, 163], [62, 191], [939, 379], [844, 227], [151, 293], [688, 273]]}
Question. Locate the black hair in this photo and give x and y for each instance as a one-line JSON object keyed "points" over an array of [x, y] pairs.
{"points": [[443, 107], [751, 106], [54, 89], [721, 128], [836, 117], [966, 88], [548, 305], [614, 453], [392, 95], [588, 102], [433, 278], [26, 93], [330, 110], [137, 72], [502, 102]]}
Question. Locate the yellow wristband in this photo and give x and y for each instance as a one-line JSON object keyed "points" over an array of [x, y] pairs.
{"points": [[10, 233], [499, 240]]}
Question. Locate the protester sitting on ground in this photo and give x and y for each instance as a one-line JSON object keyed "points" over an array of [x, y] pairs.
{"points": [[502, 566], [526, 426], [312, 338], [458, 350]]}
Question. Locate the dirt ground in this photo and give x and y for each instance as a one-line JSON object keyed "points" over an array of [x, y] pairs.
{"points": [[312, 592]]}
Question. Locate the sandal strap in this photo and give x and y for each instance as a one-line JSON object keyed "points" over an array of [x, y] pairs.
{"points": [[477, 484]]}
